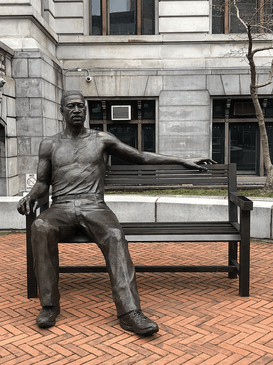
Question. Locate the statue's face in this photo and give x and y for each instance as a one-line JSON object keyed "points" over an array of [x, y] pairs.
{"points": [[74, 110]]}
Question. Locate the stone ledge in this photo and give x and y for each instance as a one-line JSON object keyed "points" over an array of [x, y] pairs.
{"points": [[137, 208]]}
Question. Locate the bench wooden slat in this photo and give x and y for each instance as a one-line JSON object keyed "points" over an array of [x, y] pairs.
{"points": [[148, 268]]}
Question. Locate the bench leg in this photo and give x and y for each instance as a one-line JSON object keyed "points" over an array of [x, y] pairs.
{"points": [[244, 254], [232, 256], [31, 278]]}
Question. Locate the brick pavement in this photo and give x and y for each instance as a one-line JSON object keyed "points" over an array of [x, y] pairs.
{"points": [[201, 317]]}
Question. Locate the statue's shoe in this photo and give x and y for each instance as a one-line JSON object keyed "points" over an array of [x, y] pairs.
{"points": [[47, 316], [137, 322]]}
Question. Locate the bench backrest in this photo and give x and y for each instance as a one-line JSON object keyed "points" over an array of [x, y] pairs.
{"points": [[169, 175]]}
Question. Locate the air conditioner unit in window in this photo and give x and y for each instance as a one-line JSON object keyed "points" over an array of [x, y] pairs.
{"points": [[121, 112]]}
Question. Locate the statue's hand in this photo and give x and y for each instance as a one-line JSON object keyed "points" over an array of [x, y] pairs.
{"points": [[196, 163], [205, 161], [25, 204]]}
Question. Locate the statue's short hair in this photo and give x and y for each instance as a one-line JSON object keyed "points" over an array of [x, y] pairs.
{"points": [[70, 92]]}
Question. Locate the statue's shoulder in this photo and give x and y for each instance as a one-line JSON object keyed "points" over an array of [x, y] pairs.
{"points": [[48, 143], [105, 136]]}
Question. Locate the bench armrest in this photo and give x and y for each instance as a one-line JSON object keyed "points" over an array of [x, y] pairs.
{"points": [[241, 201]]}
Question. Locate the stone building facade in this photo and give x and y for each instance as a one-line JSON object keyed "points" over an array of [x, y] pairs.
{"points": [[184, 88]]}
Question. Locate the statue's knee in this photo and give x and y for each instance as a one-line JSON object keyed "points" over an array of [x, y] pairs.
{"points": [[116, 234], [39, 226]]}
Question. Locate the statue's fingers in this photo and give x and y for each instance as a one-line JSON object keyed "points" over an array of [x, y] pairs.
{"points": [[27, 206], [21, 209], [35, 206]]}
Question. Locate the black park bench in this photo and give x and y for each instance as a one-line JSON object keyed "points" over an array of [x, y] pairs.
{"points": [[234, 231]]}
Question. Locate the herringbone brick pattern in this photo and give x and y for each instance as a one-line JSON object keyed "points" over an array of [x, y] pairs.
{"points": [[201, 317]]}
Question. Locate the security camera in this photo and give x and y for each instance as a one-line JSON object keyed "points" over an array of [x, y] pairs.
{"points": [[88, 78]]}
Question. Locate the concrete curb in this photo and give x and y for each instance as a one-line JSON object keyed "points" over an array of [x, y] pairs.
{"points": [[137, 208]]}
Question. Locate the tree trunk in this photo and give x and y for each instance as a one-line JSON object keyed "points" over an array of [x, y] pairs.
{"points": [[264, 139], [260, 116]]}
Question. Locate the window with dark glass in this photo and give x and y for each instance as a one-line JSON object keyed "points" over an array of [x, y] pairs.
{"points": [[224, 19], [121, 17], [236, 135], [136, 130]]}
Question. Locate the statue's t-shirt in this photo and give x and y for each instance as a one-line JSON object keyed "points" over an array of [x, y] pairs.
{"points": [[78, 166]]}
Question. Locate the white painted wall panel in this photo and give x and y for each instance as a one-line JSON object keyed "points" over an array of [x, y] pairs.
{"points": [[183, 8], [183, 24]]}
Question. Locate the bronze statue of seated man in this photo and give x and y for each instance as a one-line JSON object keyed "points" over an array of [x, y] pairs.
{"points": [[74, 162]]}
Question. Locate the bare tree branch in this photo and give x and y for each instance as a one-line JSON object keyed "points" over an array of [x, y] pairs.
{"points": [[269, 80], [256, 50], [238, 14]]}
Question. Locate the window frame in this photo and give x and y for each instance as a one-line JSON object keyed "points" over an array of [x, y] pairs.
{"points": [[228, 118], [227, 15], [105, 18], [137, 116]]}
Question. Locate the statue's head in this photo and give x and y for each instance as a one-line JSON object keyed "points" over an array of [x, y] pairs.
{"points": [[68, 93], [73, 108]]}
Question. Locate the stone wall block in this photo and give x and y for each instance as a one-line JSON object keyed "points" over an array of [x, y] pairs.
{"points": [[184, 24], [72, 82], [3, 108], [184, 98], [12, 166], [154, 86], [22, 107], [185, 146], [12, 187], [8, 68], [183, 8], [245, 84], [50, 127], [187, 82], [31, 88], [20, 68], [49, 109], [191, 210], [266, 89], [27, 164], [34, 145], [215, 85], [11, 147], [106, 85], [138, 85], [36, 107], [24, 146], [87, 88], [261, 215], [28, 54], [231, 84], [69, 10], [49, 73], [132, 208], [35, 68], [122, 85], [3, 182], [11, 128], [11, 107], [49, 92], [184, 128], [184, 113], [30, 127], [9, 87], [73, 26]]}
